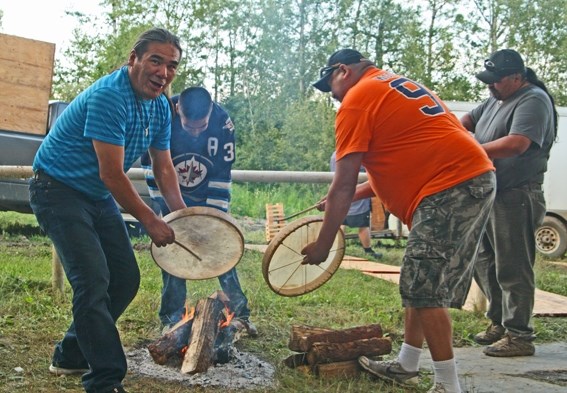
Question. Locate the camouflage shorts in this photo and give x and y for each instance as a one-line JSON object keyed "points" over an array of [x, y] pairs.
{"points": [[442, 245]]}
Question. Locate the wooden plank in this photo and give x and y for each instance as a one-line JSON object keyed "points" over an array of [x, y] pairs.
{"points": [[549, 304], [546, 303], [374, 269], [274, 220], [26, 73], [27, 51], [26, 113]]}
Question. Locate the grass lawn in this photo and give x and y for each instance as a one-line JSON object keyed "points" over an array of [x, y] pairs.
{"points": [[32, 318]]}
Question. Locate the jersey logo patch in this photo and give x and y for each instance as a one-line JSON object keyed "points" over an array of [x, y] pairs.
{"points": [[190, 173]]}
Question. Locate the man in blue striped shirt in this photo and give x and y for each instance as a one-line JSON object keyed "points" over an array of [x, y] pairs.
{"points": [[80, 174]]}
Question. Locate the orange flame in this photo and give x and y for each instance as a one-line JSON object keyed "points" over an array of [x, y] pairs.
{"points": [[189, 313], [228, 317]]}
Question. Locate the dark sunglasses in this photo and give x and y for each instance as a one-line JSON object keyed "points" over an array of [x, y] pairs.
{"points": [[326, 71]]}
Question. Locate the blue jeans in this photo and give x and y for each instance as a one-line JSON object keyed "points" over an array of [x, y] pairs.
{"points": [[92, 242], [174, 291]]}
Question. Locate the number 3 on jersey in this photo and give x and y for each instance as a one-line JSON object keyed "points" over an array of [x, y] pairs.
{"points": [[213, 147], [413, 91]]}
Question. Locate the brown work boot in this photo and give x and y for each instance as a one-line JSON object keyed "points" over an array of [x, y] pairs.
{"points": [[510, 346], [492, 334]]}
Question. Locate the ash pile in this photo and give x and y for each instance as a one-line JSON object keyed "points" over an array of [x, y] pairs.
{"points": [[242, 371]]}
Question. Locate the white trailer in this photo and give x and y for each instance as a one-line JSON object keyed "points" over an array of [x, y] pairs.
{"points": [[551, 237]]}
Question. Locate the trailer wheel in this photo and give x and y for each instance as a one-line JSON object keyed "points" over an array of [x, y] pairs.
{"points": [[551, 238]]}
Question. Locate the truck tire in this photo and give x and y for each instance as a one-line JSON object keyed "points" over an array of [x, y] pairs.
{"points": [[551, 238]]}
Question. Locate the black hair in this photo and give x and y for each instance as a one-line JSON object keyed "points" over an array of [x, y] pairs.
{"points": [[156, 34], [195, 103], [534, 80]]}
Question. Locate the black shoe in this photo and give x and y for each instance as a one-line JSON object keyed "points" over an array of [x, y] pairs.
{"points": [[370, 252]]}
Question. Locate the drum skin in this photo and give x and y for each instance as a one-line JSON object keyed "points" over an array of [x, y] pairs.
{"points": [[209, 243], [281, 265]]}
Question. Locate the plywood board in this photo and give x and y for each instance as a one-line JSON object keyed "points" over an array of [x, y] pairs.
{"points": [[26, 73], [546, 304]]}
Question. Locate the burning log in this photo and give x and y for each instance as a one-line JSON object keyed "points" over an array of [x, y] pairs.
{"points": [[338, 352], [169, 347], [201, 351], [305, 343]]}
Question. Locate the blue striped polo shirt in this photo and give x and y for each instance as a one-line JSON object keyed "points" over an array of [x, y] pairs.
{"points": [[107, 111]]}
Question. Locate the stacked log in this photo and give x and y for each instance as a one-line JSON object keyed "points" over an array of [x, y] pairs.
{"points": [[334, 353]]}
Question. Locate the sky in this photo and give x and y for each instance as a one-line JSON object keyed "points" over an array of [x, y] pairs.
{"points": [[44, 20]]}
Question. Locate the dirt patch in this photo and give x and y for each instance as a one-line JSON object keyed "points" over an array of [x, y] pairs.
{"points": [[243, 371]]}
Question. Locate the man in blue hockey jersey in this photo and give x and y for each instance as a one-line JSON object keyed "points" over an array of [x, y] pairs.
{"points": [[202, 151]]}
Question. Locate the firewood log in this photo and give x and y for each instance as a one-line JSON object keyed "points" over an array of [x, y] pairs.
{"points": [[170, 344], [200, 353], [346, 369], [338, 352], [339, 336], [300, 331]]}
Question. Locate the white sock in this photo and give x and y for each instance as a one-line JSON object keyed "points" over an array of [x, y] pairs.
{"points": [[446, 374], [409, 357]]}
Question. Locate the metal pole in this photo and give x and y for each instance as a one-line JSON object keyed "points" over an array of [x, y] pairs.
{"points": [[24, 172]]}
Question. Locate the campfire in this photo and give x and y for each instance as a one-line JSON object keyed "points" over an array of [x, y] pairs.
{"points": [[202, 338]]}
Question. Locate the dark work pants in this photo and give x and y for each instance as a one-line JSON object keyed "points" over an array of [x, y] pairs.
{"points": [[504, 268], [95, 251]]}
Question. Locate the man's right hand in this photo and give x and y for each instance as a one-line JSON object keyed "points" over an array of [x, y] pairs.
{"points": [[160, 232]]}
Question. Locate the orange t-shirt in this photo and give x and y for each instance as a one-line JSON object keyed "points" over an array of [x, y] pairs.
{"points": [[413, 145]]}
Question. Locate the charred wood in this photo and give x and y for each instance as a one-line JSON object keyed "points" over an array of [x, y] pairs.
{"points": [[170, 345]]}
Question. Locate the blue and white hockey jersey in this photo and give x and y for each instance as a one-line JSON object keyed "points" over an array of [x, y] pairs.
{"points": [[202, 163]]}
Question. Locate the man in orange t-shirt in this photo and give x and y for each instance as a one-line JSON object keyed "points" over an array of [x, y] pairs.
{"points": [[428, 171]]}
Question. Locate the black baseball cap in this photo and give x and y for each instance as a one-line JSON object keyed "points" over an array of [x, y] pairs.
{"points": [[500, 64], [342, 56]]}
